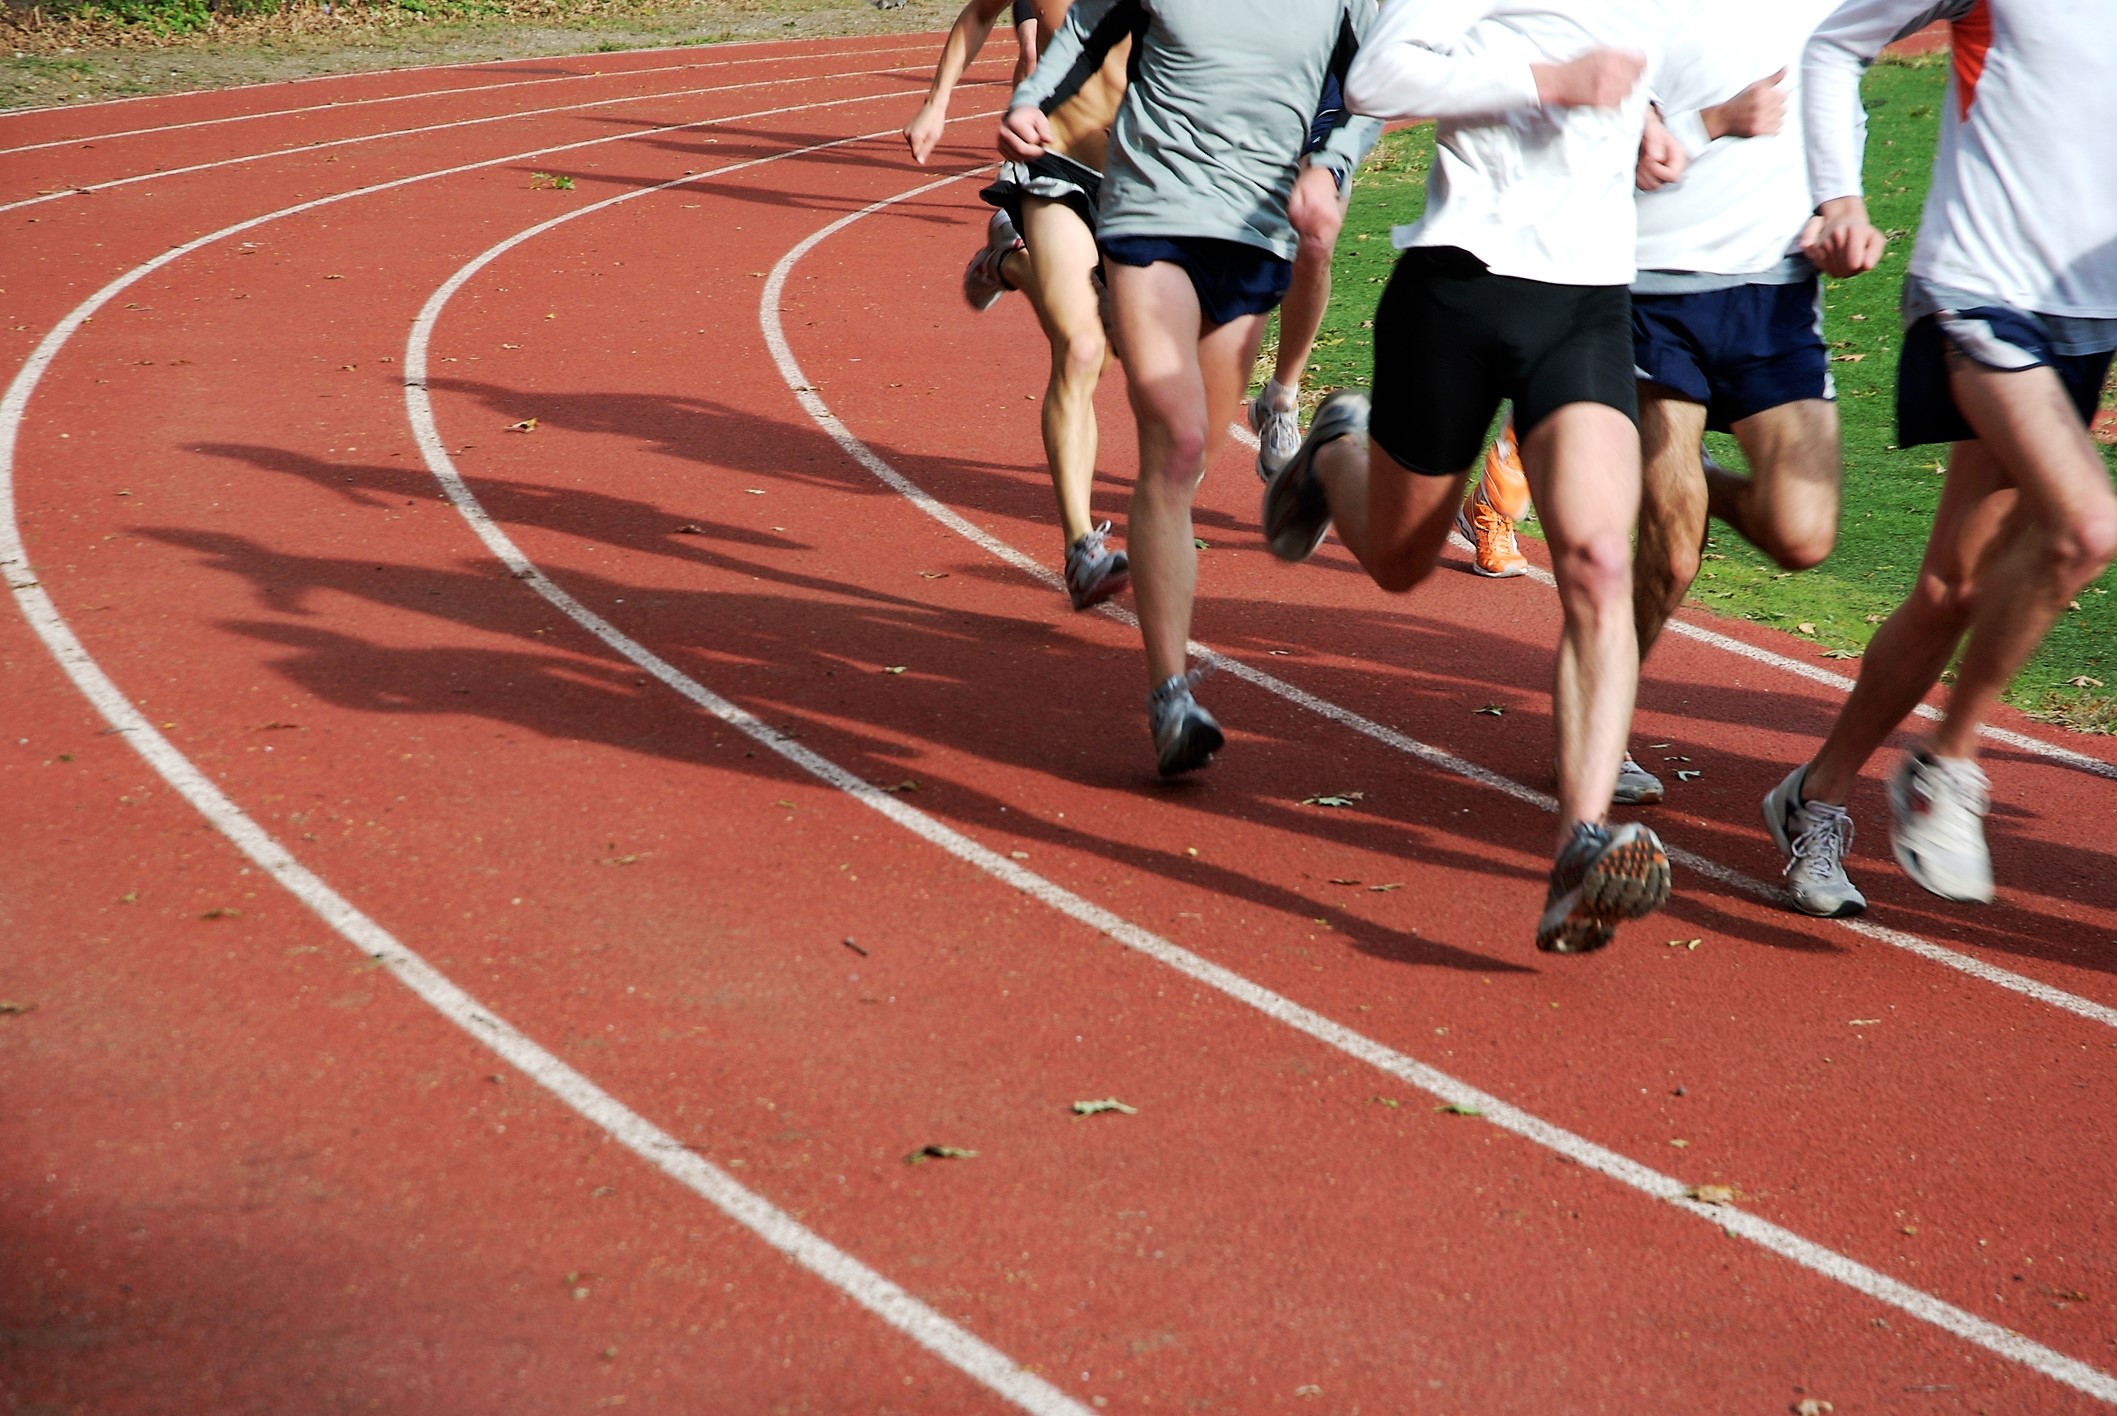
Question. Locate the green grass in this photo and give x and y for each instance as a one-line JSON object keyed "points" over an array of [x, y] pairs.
{"points": [[1889, 494]]}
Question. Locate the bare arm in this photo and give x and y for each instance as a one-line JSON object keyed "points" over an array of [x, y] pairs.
{"points": [[965, 38]]}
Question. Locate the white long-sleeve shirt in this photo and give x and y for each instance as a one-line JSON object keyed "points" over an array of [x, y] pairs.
{"points": [[1543, 194], [1739, 208], [2023, 206]]}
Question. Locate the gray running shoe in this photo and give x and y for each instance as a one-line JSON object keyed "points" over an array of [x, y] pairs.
{"points": [[1185, 735], [1814, 837], [1600, 877], [1636, 786], [1094, 574], [1937, 811], [1296, 512], [983, 284], [1278, 436]]}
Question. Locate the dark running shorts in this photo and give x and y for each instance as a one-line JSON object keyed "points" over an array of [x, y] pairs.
{"points": [[1232, 278], [1997, 337], [1452, 340], [1024, 12], [1052, 177], [1739, 351]]}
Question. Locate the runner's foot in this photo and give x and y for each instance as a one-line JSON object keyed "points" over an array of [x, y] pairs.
{"points": [[1491, 537], [1601, 876], [1937, 811], [1814, 837], [1185, 735], [1278, 433], [1505, 484], [1093, 573], [1636, 786], [983, 283], [1296, 512]]}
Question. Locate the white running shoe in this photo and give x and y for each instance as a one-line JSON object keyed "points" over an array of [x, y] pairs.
{"points": [[1937, 811], [1636, 786], [1278, 436], [983, 284], [1094, 572], [1814, 837]]}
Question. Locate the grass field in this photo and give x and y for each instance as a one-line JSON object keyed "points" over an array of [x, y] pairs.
{"points": [[1889, 494]]}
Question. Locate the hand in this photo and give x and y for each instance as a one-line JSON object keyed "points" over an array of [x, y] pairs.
{"points": [[923, 131], [1840, 241], [1600, 78], [1024, 133], [1758, 111], [1662, 159], [1315, 209]]}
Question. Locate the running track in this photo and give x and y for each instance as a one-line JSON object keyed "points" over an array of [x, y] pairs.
{"points": [[432, 850]]}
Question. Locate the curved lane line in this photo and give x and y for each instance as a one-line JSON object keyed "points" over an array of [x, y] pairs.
{"points": [[1727, 643], [348, 105], [1993, 1338], [114, 182], [866, 456], [886, 1300]]}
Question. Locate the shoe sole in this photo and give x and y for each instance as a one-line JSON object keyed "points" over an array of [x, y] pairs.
{"points": [[1637, 796], [1109, 587], [1295, 467], [1628, 881], [1193, 750]]}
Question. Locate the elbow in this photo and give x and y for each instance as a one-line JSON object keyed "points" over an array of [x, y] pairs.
{"points": [[1366, 89]]}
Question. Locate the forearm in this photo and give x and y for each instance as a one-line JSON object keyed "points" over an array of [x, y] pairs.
{"points": [[965, 39], [1831, 68]]}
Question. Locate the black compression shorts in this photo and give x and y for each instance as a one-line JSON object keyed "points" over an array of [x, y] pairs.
{"points": [[1452, 340]]}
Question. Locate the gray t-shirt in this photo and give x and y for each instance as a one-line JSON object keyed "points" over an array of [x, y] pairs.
{"points": [[1225, 98]]}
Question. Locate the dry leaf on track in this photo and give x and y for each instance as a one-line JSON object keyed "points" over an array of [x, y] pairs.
{"points": [[926, 1153], [1097, 1108], [527, 425], [1713, 1194], [1334, 799]]}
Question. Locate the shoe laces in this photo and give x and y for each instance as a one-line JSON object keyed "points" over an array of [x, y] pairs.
{"points": [[1178, 686], [1090, 545], [1820, 846]]}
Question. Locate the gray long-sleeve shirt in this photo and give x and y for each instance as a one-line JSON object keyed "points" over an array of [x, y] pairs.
{"points": [[1226, 97]]}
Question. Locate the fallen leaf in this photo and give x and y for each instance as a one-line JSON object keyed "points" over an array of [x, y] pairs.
{"points": [[1309, 1390], [926, 1153], [1865, 1022], [1459, 1108], [619, 860], [8, 1007], [1018, 855], [894, 668], [2083, 681], [1683, 776], [222, 912], [933, 575], [1279, 653], [1493, 710], [1337, 880], [907, 785], [690, 528], [1200, 544], [787, 804], [1841, 654], [1334, 799], [1874, 619], [1712, 1194], [1809, 1406], [1680, 1145], [1096, 1108], [527, 425], [1384, 889], [1685, 943], [1388, 1101], [754, 491], [1846, 358], [1805, 627], [1659, 745]]}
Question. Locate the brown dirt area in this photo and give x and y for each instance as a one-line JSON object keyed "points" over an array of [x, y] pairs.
{"points": [[46, 62]]}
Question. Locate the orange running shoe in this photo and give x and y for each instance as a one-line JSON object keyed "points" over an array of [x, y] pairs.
{"points": [[1491, 535], [1506, 485]]}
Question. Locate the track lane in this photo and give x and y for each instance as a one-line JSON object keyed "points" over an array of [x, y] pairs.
{"points": [[223, 558]]}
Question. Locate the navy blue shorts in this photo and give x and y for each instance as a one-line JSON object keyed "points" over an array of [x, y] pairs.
{"points": [[1232, 278], [1739, 351], [1997, 337]]}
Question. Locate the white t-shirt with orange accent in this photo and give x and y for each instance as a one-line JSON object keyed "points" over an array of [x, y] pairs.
{"points": [[2023, 205]]}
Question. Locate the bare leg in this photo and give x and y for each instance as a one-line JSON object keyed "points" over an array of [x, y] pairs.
{"points": [[1788, 506], [1062, 257], [1301, 314], [1394, 521], [1914, 644], [1672, 509], [1584, 473], [1185, 379], [2063, 536]]}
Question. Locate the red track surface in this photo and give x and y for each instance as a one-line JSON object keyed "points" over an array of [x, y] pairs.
{"points": [[241, 1168]]}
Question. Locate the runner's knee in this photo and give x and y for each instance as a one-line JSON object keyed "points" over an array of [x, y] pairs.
{"points": [[1081, 355], [1597, 568]]}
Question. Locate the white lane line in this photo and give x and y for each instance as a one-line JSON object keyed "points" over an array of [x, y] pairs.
{"points": [[1841, 1268], [1446, 761], [1814, 674], [886, 1300], [348, 105], [467, 66], [303, 148]]}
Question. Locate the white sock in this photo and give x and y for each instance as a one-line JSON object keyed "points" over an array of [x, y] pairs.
{"points": [[1278, 395]]}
